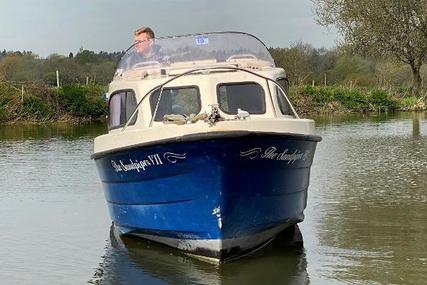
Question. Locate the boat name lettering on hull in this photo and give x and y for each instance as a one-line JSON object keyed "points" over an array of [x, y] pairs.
{"points": [[272, 153], [144, 164]]}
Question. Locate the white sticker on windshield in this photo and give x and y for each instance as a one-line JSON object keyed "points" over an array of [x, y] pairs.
{"points": [[202, 40]]}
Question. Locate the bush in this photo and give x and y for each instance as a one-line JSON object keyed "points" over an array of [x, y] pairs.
{"points": [[82, 101], [73, 99], [412, 103], [35, 107], [8, 101], [352, 99], [382, 100], [341, 99], [319, 94], [97, 107], [4, 115]]}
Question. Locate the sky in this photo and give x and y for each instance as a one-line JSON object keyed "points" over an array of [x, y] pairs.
{"points": [[63, 26]]}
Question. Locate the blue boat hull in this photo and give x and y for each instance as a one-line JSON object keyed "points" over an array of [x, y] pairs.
{"points": [[217, 195]]}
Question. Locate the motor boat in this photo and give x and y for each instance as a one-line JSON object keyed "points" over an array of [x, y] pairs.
{"points": [[204, 150]]}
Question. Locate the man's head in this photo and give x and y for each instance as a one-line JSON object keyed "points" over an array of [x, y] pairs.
{"points": [[144, 39]]}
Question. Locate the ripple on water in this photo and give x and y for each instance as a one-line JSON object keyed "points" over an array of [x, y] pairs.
{"points": [[371, 203]]}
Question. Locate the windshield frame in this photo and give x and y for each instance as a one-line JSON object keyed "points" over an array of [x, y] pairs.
{"points": [[219, 44]]}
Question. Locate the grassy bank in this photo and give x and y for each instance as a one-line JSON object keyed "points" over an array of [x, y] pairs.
{"points": [[40, 103], [340, 99], [79, 103]]}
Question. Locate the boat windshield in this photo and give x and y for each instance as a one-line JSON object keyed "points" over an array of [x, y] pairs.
{"points": [[195, 50]]}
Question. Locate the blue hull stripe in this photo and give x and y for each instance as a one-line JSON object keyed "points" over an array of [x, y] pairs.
{"points": [[210, 189]]}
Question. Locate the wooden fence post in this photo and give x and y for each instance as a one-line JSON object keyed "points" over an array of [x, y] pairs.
{"points": [[22, 94]]}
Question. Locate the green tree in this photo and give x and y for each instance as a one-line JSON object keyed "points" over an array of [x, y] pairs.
{"points": [[21, 67], [353, 70], [86, 56], [295, 61], [396, 28]]}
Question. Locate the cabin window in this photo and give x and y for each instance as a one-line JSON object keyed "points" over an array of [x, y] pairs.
{"points": [[247, 96], [284, 106], [176, 100], [121, 106]]}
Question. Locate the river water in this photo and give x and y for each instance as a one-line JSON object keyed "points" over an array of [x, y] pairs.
{"points": [[366, 219]]}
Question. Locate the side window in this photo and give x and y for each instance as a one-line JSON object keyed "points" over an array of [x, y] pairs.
{"points": [[121, 106], [283, 103], [248, 96], [176, 100]]}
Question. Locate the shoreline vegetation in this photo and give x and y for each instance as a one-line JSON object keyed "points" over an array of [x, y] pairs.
{"points": [[76, 103], [322, 81], [40, 103], [311, 100]]}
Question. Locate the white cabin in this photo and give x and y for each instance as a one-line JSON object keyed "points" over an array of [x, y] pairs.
{"points": [[215, 82]]}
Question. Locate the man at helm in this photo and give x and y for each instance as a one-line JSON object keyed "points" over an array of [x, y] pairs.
{"points": [[144, 42], [144, 50]]}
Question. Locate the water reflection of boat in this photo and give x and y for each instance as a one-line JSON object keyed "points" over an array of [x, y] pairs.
{"points": [[129, 260], [205, 152]]}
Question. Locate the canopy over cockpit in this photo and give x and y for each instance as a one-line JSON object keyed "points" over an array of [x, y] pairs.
{"points": [[192, 51]]}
